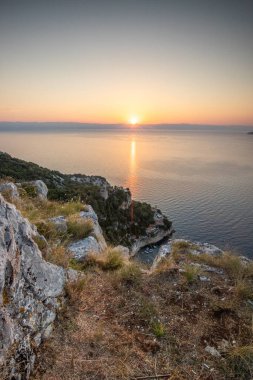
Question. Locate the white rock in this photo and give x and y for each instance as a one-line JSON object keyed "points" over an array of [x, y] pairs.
{"points": [[41, 189]]}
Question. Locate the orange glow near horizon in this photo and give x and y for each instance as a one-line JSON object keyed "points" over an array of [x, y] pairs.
{"points": [[155, 112]]}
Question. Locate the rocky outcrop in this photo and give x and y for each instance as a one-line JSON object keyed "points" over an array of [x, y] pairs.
{"points": [[9, 189], [194, 248], [36, 188], [89, 214], [81, 248], [29, 292], [151, 238], [95, 243]]}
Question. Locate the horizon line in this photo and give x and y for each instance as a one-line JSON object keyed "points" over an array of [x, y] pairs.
{"points": [[128, 124]]}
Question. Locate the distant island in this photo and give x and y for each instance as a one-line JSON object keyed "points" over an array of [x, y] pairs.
{"points": [[250, 133]]}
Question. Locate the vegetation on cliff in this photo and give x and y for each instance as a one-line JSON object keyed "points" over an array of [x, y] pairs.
{"points": [[120, 224]]}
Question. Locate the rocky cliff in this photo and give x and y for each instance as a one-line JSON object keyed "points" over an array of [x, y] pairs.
{"points": [[30, 289]]}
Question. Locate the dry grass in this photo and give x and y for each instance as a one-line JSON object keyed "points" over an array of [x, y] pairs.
{"points": [[116, 330], [78, 228], [232, 264], [244, 290], [58, 255], [240, 362], [130, 275], [37, 210], [110, 259]]}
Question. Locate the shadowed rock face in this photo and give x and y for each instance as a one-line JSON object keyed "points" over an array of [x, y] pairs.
{"points": [[29, 291]]}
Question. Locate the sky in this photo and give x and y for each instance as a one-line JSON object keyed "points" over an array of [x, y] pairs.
{"points": [[110, 61]]}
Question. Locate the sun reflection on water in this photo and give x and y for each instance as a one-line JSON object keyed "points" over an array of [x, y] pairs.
{"points": [[131, 182]]}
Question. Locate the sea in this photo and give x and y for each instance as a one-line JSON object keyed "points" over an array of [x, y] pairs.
{"points": [[201, 177]]}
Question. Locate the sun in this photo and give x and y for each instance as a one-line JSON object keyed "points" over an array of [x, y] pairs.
{"points": [[133, 120]]}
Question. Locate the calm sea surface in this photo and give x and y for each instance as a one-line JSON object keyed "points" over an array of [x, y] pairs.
{"points": [[202, 180]]}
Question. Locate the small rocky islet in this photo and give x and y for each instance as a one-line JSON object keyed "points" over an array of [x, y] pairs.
{"points": [[76, 305]]}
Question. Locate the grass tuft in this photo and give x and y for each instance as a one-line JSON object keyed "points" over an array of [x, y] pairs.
{"points": [[190, 273], [240, 361], [158, 329], [78, 228], [129, 275], [112, 259]]}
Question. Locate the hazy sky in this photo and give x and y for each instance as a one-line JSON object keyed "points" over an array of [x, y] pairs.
{"points": [[105, 61]]}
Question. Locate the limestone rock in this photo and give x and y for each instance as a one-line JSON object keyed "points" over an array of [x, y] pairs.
{"points": [[29, 291], [81, 248], [41, 189], [9, 188]]}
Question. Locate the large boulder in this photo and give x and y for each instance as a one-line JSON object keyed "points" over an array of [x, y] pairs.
{"points": [[9, 189], [29, 292]]}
